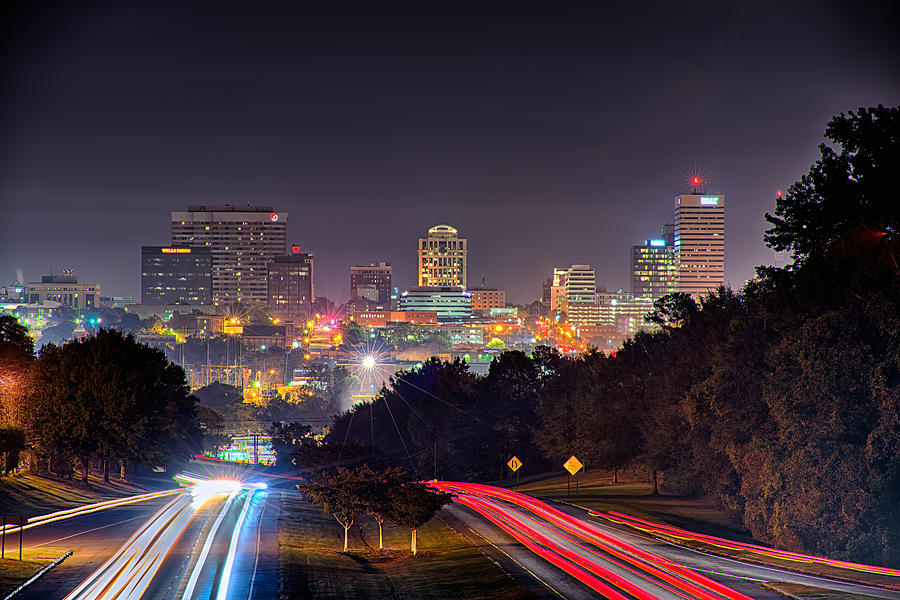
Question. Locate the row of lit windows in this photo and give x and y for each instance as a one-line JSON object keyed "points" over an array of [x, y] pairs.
{"points": [[443, 244]]}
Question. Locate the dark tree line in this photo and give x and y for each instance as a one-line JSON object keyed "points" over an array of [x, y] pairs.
{"points": [[16, 358], [441, 421], [97, 402]]}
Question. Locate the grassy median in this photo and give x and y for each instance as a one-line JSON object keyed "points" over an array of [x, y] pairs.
{"points": [[446, 567]]}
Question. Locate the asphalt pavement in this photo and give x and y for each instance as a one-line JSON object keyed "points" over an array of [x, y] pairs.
{"points": [[559, 551], [206, 541]]}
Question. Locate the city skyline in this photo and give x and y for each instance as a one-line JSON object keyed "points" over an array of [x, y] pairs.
{"points": [[552, 127]]}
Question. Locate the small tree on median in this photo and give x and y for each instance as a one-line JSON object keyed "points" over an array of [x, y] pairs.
{"points": [[414, 504], [342, 495], [379, 502]]}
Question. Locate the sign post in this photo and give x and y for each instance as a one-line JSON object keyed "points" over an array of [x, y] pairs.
{"points": [[573, 465], [515, 464], [19, 520]]}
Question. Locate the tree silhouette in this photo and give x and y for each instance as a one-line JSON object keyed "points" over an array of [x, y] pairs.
{"points": [[413, 504], [852, 188]]}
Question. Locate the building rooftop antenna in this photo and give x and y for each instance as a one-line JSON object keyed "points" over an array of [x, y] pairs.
{"points": [[697, 182]]}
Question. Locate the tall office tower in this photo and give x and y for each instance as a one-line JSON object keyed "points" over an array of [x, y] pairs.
{"points": [[581, 306], [653, 267], [290, 284], [370, 286], [176, 275], [243, 241], [443, 258], [700, 242]]}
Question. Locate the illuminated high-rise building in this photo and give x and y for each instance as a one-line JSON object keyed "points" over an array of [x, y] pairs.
{"points": [[580, 300], [370, 286], [443, 258], [176, 275], [290, 284], [653, 267], [243, 241], [700, 242]]}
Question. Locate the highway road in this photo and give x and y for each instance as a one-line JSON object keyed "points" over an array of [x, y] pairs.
{"points": [[574, 555], [215, 539]]}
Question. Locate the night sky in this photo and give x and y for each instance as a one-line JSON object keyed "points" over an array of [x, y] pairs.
{"points": [[548, 134]]}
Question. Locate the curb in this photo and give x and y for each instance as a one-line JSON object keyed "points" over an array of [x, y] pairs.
{"points": [[39, 574]]}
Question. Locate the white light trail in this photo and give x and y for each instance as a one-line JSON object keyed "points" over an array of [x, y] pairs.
{"points": [[232, 549], [201, 561], [88, 509], [132, 568]]}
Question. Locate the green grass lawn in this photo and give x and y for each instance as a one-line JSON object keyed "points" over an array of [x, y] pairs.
{"points": [[35, 495], [13, 573], [446, 567], [635, 497]]}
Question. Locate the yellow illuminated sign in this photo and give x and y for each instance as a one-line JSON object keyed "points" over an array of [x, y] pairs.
{"points": [[573, 465], [176, 250], [514, 463]]}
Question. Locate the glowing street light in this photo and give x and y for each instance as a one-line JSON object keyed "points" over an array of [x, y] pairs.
{"points": [[368, 362]]}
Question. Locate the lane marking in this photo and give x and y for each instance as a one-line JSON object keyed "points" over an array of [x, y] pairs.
{"points": [[857, 587], [526, 569], [83, 532], [207, 544], [232, 548], [258, 541]]}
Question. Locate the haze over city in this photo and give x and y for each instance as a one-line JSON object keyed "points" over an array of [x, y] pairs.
{"points": [[547, 137]]}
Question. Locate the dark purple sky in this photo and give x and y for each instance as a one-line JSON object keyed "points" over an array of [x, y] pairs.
{"points": [[549, 135]]}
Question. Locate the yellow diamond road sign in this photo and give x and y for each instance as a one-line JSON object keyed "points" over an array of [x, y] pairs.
{"points": [[514, 464], [573, 465]]}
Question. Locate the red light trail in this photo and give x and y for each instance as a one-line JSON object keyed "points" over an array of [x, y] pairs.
{"points": [[652, 575], [658, 528]]}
